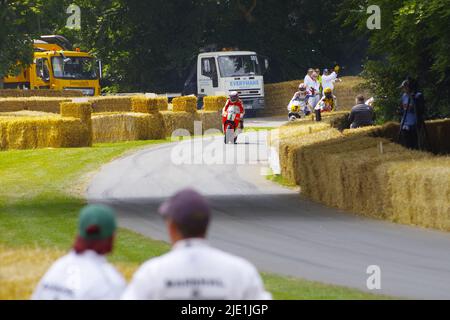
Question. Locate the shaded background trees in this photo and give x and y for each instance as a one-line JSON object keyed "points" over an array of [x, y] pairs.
{"points": [[150, 45]]}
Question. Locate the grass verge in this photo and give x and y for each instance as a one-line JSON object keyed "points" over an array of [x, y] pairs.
{"points": [[38, 216]]}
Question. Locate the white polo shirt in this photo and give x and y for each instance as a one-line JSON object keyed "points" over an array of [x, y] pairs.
{"points": [[195, 270], [328, 81], [85, 276]]}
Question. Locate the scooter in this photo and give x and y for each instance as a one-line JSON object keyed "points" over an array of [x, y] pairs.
{"points": [[230, 122], [296, 109]]}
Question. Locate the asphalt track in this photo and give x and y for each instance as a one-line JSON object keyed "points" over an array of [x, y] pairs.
{"points": [[272, 226]]}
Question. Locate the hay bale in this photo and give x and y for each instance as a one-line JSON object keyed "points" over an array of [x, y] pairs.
{"points": [[82, 111], [115, 127], [419, 191], [214, 103], [210, 120], [163, 103], [41, 104], [22, 268], [144, 104], [295, 135], [18, 93], [438, 135], [185, 104], [26, 113], [111, 104], [43, 132], [156, 126], [178, 121]]}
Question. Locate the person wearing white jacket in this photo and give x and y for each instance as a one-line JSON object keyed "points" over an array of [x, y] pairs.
{"points": [[84, 273], [193, 269], [328, 79]]}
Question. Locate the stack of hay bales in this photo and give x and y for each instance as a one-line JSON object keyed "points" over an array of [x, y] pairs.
{"points": [[145, 122], [17, 93], [42, 104], [278, 95], [214, 103], [185, 104], [43, 132], [114, 127], [350, 171]]}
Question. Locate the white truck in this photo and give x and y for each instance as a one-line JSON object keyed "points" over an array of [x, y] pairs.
{"points": [[220, 72]]}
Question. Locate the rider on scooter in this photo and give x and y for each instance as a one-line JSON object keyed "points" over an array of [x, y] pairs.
{"points": [[235, 101], [300, 102]]}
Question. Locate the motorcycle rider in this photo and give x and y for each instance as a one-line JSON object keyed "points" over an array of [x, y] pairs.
{"points": [[234, 101], [300, 102], [327, 104]]}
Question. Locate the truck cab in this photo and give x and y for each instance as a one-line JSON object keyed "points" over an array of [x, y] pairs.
{"points": [[57, 66], [220, 72]]}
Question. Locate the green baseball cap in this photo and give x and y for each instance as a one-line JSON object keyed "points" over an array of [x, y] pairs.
{"points": [[96, 222]]}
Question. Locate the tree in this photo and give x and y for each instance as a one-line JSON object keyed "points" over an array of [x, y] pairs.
{"points": [[413, 41], [15, 36]]}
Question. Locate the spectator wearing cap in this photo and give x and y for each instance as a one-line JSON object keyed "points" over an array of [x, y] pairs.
{"points": [[412, 127], [193, 269], [84, 273], [362, 115]]}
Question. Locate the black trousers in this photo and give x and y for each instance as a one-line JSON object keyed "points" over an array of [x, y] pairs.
{"points": [[409, 139]]}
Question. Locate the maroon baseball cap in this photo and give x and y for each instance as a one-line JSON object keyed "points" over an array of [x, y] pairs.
{"points": [[186, 207]]}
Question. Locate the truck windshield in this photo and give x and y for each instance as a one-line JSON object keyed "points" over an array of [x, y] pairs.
{"points": [[78, 68], [238, 66]]}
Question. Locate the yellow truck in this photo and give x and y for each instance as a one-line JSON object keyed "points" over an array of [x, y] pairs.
{"points": [[57, 66]]}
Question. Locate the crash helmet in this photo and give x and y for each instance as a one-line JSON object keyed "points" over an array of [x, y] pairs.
{"points": [[328, 92], [234, 96], [302, 87]]}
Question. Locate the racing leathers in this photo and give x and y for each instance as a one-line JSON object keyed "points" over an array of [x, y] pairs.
{"points": [[238, 104], [300, 102]]}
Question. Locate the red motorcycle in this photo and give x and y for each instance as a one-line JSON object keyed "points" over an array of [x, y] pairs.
{"points": [[230, 121]]}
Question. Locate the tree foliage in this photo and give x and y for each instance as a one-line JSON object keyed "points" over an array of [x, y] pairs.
{"points": [[413, 41], [150, 45]]}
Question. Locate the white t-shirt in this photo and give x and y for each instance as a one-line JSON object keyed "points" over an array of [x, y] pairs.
{"points": [[194, 270], [328, 81], [86, 276]]}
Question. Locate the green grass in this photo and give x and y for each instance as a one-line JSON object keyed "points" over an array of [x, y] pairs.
{"points": [[278, 178], [250, 129], [27, 174], [38, 208], [289, 288]]}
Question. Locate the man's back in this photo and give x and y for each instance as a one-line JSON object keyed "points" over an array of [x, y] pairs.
{"points": [[85, 276], [361, 115], [194, 270]]}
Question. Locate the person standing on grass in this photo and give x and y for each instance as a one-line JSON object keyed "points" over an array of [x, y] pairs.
{"points": [[193, 269], [362, 115], [84, 273], [412, 133]]}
